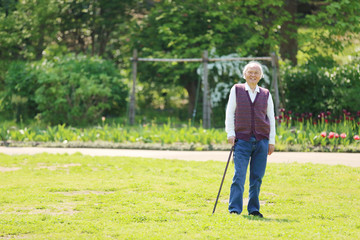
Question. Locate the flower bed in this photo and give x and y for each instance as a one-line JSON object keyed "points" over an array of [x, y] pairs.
{"points": [[295, 132]]}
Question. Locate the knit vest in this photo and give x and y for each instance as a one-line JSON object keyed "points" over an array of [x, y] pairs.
{"points": [[250, 117]]}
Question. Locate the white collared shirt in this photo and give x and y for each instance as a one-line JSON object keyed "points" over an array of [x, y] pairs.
{"points": [[231, 107]]}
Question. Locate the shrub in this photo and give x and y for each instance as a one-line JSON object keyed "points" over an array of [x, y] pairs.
{"points": [[77, 89], [319, 86], [346, 80], [19, 92]]}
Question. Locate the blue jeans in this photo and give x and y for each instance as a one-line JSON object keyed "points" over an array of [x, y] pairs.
{"points": [[244, 150]]}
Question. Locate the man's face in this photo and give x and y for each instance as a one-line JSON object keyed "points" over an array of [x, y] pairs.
{"points": [[253, 75]]}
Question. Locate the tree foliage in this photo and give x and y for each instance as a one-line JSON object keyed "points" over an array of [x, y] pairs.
{"points": [[33, 29], [26, 28]]}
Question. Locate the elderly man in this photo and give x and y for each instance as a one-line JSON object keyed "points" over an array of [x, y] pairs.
{"points": [[250, 127]]}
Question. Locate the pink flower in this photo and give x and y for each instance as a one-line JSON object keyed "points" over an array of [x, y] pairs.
{"points": [[356, 137], [331, 135], [343, 135], [323, 134], [103, 118], [336, 135]]}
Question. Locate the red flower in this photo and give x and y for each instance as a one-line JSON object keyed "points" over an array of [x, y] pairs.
{"points": [[331, 135], [336, 135], [343, 135], [323, 134], [282, 109], [328, 113], [326, 121], [356, 137]]}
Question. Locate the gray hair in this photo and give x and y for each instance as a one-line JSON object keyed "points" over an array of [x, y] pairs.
{"points": [[251, 64]]}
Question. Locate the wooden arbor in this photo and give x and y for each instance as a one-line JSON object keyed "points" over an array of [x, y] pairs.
{"points": [[206, 95]]}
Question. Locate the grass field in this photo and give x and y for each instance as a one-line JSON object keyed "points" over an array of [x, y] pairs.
{"points": [[80, 197]]}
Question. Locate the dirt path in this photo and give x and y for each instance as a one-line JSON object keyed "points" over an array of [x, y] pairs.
{"points": [[348, 159]]}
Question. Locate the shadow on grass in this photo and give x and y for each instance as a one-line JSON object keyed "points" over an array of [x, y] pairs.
{"points": [[265, 219]]}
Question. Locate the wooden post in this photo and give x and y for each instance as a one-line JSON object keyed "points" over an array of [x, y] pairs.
{"points": [[206, 97], [132, 98], [275, 66]]}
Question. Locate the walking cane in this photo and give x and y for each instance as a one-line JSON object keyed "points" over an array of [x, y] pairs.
{"points": [[222, 181]]}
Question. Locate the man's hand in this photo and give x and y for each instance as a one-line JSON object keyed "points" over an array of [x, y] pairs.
{"points": [[271, 149], [231, 140]]}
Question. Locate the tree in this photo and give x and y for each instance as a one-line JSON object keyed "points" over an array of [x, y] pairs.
{"points": [[185, 30], [26, 28], [88, 26], [334, 22]]}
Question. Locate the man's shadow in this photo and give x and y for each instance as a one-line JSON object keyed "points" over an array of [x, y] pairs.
{"points": [[265, 219]]}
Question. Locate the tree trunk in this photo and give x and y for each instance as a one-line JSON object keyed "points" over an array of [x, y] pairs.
{"points": [[191, 89], [40, 45], [289, 44], [103, 40]]}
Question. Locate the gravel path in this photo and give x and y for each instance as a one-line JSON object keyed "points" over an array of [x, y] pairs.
{"points": [[348, 159]]}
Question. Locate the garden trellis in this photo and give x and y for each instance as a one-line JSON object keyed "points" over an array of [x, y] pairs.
{"points": [[206, 96]]}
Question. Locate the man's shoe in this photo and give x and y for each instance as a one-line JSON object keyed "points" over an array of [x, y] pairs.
{"points": [[234, 212], [256, 214]]}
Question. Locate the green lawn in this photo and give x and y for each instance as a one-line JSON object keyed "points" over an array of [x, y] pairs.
{"points": [[80, 197]]}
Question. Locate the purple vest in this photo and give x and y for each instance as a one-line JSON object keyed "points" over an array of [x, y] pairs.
{"points": [[250, 117]]}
